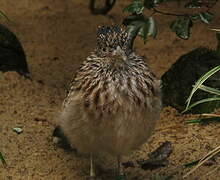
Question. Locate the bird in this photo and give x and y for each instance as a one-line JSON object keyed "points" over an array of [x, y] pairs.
{"points": [[114, 100]]}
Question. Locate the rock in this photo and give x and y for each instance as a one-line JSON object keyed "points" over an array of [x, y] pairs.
{"points": [[12, 56], [177, 82]]}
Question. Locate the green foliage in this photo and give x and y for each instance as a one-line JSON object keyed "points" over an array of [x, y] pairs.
{"points": [[139, 24], [181, 26], [135, 7], [203, 101], [194, 4], [2, 159], [3, 15], [206, 17], [199, 85], [149, 4], [193, 163], [204, 120]]}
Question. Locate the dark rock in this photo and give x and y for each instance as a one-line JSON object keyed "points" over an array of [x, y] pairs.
{"points": [[157, 158], [177, 82], [12, 56]]}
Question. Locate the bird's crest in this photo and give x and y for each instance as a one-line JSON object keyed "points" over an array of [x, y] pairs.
{"points": [[110, 37]]}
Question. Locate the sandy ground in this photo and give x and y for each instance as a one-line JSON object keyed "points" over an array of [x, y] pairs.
{"points": [[57, 36]]}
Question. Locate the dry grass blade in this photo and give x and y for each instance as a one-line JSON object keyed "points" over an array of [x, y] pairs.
{"points": [[203, 160], [212, 171], [215, 29], [210, 115], [205, 118]]}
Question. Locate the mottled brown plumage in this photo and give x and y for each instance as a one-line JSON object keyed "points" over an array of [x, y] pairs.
{"points": [[114, 99]]}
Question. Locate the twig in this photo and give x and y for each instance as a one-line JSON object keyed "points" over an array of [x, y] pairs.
{"points": [[203, 160]]}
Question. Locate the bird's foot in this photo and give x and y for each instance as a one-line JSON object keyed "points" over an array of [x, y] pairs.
{"points": [[121, 174], [61, 140]]}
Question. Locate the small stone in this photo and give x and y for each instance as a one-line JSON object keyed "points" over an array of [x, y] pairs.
{"points": [[17, 130]]}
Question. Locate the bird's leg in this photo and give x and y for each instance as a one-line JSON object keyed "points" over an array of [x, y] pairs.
{"points": [[121, 174], [92, 172]]}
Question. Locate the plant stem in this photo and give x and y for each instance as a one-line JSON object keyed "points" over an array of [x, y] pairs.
{"points": [[169, 14]]}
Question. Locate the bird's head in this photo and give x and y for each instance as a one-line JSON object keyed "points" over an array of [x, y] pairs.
{"points": [[112, 40]]}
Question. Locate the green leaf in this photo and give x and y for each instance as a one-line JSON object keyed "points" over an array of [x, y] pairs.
{"points": [[133, 31], [2, 159], [149, 4], [193, 163], [3, 15], [143, 32], [195, 17], [152, 30], [199, 83], [181, 26], [134, 23], [206, 17], [202, 101], [194, 4], [204, 120], [148, 29], [210, 90], [135, 7], [160, 1], [139, 25]]}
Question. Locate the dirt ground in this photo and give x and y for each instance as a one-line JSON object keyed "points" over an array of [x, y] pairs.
{"points": [[57, 36]]}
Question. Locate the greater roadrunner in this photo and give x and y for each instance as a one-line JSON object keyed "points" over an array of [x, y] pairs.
{"points": [[114, 99]]}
